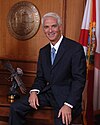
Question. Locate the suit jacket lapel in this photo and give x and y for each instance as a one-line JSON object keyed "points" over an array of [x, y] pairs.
{"points": [[48, 55], [60, 53]]}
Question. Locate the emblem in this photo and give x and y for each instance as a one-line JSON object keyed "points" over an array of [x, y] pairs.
{"points": [[23, 20]]}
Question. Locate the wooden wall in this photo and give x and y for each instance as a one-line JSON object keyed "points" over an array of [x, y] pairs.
{"points": [[24, 54]]}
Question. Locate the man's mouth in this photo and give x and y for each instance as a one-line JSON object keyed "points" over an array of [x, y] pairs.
{"points": [[51, 34]]}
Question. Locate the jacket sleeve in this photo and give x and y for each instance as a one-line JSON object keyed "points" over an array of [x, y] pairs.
{"points": [[78, 76]]}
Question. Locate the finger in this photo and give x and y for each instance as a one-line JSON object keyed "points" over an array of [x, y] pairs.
{"points": [[63, 119], [33, 105], [29, 101], [37, 102], [66, 120], [69, 118], [59, 114]]}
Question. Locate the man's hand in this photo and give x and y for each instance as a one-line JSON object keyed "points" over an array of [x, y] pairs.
{"points": [[65, 113], [33, 100]]}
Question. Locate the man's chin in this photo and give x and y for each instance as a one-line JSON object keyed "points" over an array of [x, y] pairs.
{"points": [[51, 38]]}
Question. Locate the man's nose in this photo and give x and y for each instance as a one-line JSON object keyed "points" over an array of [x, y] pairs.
{"points": [[50, 29]]}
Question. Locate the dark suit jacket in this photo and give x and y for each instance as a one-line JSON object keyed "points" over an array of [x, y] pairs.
{"points": [[66, 76]]}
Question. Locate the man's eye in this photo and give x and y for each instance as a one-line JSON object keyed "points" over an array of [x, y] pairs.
{"points": [[45, 27], [54, 26]]}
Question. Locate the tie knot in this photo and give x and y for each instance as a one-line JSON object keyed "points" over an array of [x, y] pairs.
{"points": [[53, 50], [53, 54]]}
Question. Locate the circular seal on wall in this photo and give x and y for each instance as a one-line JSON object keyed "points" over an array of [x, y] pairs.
{"points": [[23, 20]]}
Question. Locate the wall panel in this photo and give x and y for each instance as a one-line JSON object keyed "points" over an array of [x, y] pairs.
{"points": [[28, 49], [74, 15]]}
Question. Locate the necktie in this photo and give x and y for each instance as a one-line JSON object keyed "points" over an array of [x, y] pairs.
{"points": [[53, 54]]}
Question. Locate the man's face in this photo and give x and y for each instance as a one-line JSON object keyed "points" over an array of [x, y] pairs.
{"points": [[52, 30]]}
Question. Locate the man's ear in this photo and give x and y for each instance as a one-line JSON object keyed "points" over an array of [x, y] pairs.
{"points": [[61, 28]]}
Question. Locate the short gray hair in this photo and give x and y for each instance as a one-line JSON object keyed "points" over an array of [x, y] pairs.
{"points": [[51, 14]]}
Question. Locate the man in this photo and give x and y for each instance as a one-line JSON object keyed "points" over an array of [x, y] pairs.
{"points": [[58, 83]]}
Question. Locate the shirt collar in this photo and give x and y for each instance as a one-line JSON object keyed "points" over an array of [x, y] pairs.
{"points": [[56, 46]]}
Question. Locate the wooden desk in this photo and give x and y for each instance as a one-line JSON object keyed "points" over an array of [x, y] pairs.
{"points": [[45, 114], [4, 108]]}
